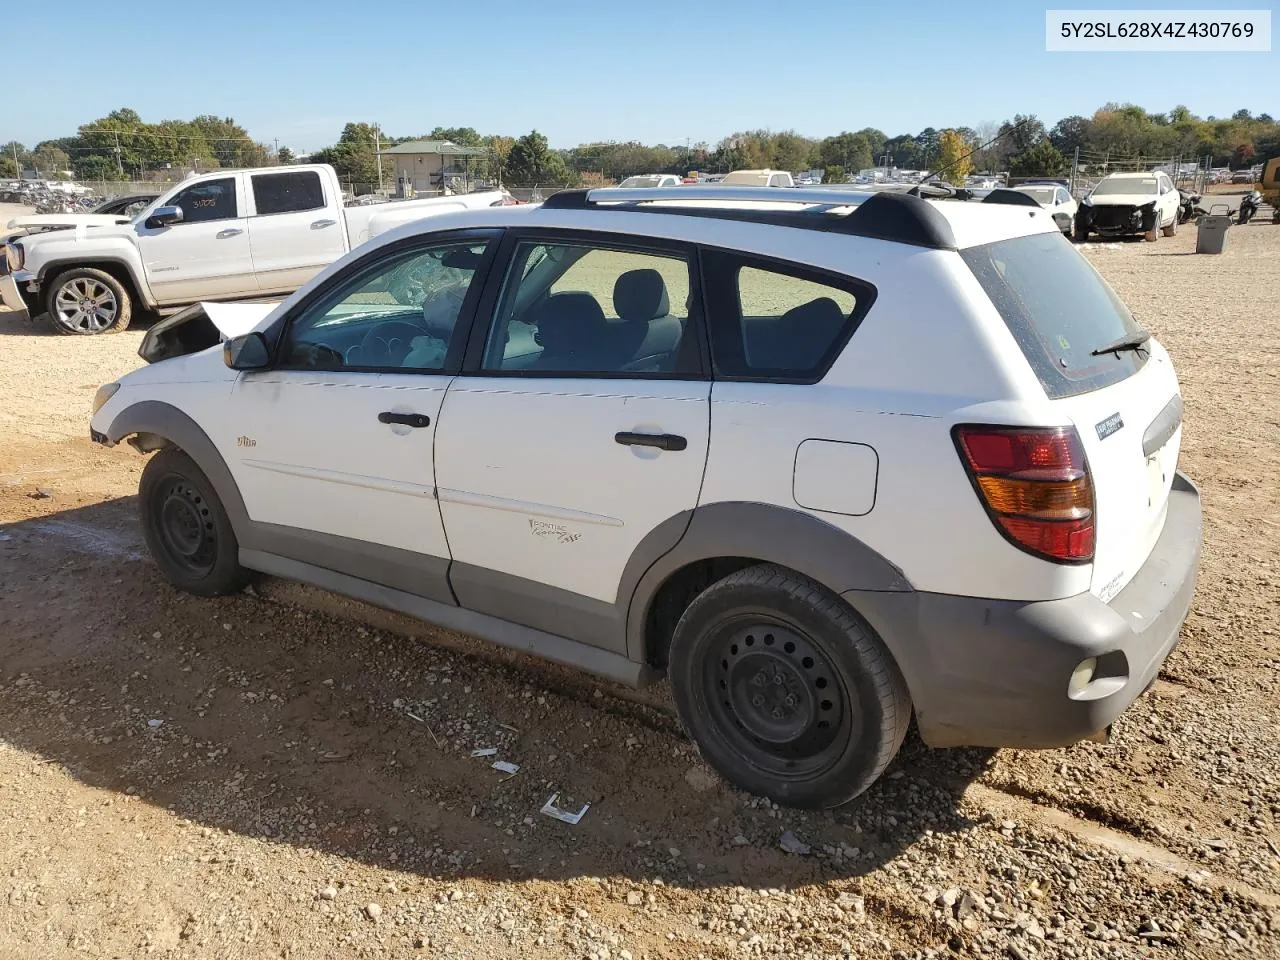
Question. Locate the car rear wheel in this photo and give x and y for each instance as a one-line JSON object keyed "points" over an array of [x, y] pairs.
{"points": [[85, 301], [187, 528], [786, 690]]}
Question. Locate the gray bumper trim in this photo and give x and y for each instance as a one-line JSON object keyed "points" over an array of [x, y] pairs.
{"points": [[995, 673]]}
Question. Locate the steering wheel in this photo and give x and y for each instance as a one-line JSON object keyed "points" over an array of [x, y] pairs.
{"points": [[387, 344]]}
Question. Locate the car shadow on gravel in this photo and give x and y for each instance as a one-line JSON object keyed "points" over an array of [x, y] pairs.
{"points": [[266, 719], [14, 323]]}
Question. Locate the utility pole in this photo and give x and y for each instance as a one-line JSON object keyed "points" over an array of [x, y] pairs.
{"points": [[15, 159], [377, 153], [276, 141], [119, 162]]}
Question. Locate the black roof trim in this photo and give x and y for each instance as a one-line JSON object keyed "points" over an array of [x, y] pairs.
{"points": [[901, 218], [897, 217], [567, 200]]}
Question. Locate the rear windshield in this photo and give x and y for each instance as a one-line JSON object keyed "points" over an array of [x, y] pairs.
{"points": [[1058, 309], [1040, 194]]}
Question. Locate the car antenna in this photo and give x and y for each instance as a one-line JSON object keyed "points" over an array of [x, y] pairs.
{"points": [[915, 191]]}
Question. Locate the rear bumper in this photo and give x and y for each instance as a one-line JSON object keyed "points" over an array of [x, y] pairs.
{"points": [[995, 673]]}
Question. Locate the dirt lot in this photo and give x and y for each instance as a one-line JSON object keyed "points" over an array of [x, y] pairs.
{"points": [[273, 776]]}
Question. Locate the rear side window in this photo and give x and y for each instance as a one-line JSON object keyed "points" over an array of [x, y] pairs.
{"points": [[776, 321], [1058, 309], [287, 192]]}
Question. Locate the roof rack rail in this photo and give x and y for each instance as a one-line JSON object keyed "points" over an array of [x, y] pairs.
{"points": [[883, 215]]}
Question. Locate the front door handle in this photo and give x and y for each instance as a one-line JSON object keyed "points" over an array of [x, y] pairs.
{"points": [[321, 224], [408, 419], [229, 232], [663, 441]]}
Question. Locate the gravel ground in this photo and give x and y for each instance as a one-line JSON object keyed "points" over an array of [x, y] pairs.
{"points": [[287, 774]]}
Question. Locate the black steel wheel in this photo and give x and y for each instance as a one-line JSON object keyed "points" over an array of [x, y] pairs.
{"points": [[777, 696], [786, 690], [187, 528], [185, 524]]}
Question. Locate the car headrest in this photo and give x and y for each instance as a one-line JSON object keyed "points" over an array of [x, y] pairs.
{"points": [[569, 321], [640, 295]]}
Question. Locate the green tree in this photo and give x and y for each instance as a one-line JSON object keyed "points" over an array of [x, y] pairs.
{"points": [[834, 174], [497, 151], [1069, 133], [50, 159], [15, 151], [954, 160], [1042, 159], [8, 166], [462, 136], [94, 167], [285, 156], [532, 161], [849, 151]]}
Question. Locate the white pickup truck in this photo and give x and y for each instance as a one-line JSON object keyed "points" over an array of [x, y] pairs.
{"points": [[226, 235]]}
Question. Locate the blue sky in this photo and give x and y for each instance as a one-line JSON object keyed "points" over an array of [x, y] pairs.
{"points": [[654, 70]]}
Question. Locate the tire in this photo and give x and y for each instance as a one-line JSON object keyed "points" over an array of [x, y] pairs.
{"points": [[1080, 233], [187, 528], [787, 692], [1172, 229], [85, 301], [1152, 235]]}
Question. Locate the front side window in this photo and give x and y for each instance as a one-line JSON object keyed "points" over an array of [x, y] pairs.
{"points": [[398, 314], [576, 309], [211, 200], [772, 321], [287, 192]]}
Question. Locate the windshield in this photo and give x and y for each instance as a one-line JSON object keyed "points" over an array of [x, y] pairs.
{"points": [[1059, 309], [649, 181], [1039, 194], [1123, 185]]}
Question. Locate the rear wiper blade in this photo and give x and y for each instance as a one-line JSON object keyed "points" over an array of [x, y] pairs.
{"points": [[1130, 341]]}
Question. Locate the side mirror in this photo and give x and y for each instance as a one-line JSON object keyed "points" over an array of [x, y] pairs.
{"points": [[164, 216], [248, 351]]}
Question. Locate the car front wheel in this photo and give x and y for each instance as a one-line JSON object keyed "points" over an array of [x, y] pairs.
{"points": [[187, 528], [786, 690], [86, 301]]}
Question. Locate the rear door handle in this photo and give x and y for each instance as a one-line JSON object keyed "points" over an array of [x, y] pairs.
{"points": [[408, 419], [321, 224], [663, 441], [229, 232]]}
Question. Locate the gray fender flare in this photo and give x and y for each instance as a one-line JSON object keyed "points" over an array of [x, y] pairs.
{"points": [[168, 422], [760, 531]]}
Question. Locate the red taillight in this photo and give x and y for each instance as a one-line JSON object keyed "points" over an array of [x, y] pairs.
{"points": [[1036, 486]]}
